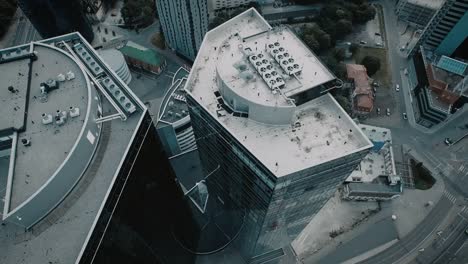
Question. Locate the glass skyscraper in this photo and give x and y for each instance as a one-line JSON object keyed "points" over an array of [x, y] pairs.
{"points": [[274, 144]]}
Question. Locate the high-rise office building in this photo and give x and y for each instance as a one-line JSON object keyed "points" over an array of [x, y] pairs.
{"points": [[72, 136], [417, 13], [184, 23], [446, 32], [55, 17], [273, 143]]}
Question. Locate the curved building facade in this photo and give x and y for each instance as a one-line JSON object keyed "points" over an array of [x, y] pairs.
{"points": [[116, 61], [63, 106]]}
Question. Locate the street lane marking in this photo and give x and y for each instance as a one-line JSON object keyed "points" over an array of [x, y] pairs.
{"points": [[462, 246], [450, 196]]}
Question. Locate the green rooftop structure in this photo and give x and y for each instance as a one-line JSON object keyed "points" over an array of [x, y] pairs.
{"points": [[141, 57]]}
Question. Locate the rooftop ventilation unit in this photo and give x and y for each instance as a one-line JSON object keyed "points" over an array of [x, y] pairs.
{"points": [[60, 77], [70, 76], [266, 70], [119, 95], [47, 119], [284, 59], [48, 86], [26, 142], [74, 111], [88, 60]]}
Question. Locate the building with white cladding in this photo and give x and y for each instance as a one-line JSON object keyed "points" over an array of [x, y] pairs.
{"points": [[274, 143], [184, 24]]}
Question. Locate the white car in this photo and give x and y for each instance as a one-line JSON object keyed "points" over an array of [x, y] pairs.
{"points": [[397, 87], [388, 111], [448, 141], [405, 116]]}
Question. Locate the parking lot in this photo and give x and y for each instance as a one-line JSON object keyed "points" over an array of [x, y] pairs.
{"points": [[385, 98], [368, 34]]}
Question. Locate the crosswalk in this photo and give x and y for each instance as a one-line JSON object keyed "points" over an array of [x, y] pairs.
{"points": [[462, 168], [450, 196], [464, 212]]}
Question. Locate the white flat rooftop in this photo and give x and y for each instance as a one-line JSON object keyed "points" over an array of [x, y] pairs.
{"points": [[36, 163], [376, 163], [317, 131]]}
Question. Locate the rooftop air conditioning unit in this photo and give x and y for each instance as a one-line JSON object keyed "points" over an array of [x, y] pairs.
{"points": [[61, 77], [74, 111], [26, 142], [46, 119], [70, 76]]}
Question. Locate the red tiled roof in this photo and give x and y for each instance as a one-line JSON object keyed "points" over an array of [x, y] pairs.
{"points": [[362, 88]]}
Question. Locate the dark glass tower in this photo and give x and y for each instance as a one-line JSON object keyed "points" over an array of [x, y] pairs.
{"points": [[57, 17]]}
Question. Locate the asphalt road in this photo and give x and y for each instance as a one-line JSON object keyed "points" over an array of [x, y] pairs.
{"points": [[411, 241], [446, 245], [452, 161]]}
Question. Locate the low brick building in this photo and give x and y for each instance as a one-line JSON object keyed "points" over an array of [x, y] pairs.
{"points": [[363, 96], [143, 58]]}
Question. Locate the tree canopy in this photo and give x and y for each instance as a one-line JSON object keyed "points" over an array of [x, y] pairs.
{"points": [[316, 38], [138, 12], [372, 64]]}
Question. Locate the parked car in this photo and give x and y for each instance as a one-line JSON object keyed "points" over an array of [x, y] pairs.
{"points": [[378, 44], [363, 42], [375, 89], [388, 111], [377, 33], [405, 116], [378, 111], [397, 87], [448, 141]]}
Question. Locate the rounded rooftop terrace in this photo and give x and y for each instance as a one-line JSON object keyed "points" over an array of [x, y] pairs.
{"points": [[60, 136]]}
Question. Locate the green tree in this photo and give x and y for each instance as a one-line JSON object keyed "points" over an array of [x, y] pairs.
{"points": [[343, 27], [339, 54], [324, 40], [311, 42], [340, 71], [372, 64], [353, 48], [138, 12], [364, 13], [330, 62], [344, 102]]}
